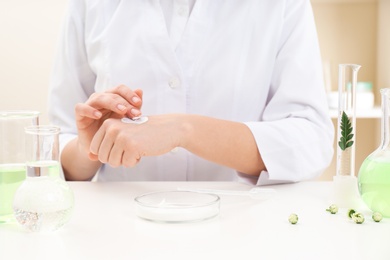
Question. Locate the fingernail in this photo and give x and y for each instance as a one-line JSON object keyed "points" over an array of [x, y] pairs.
{"points": [[135, 112], [121, 107], [136, 99], [97, 114]]}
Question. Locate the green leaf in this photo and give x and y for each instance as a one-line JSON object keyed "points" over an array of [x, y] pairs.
{"points": [[346, 132], [349, 144]]}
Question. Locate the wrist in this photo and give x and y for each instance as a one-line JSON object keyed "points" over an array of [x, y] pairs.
{"points": [[185, 129]]}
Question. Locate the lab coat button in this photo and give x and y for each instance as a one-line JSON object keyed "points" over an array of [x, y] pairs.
{"points": [[174, 83]]}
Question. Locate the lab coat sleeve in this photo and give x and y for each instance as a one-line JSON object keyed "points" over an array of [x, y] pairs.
{"points": [[295, 134], [72, 80]]}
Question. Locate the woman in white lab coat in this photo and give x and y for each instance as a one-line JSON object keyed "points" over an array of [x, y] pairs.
{"points": [[233, 91]]}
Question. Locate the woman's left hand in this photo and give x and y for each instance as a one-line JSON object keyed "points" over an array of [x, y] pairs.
{"points": [[118, 143]]}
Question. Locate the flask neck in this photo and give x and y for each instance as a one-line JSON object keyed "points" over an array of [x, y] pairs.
{"points": [[385, 131], [43, 169]]}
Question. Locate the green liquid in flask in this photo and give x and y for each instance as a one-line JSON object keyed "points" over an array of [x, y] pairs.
{"points": [[374, 184], [11, 176]]}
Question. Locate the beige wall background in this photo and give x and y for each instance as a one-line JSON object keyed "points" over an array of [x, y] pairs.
{"points": [[350, 31], [356, 31], [28, 37], [347, 33]]}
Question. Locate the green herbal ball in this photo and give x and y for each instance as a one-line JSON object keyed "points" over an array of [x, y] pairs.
{"points": [[376, 216], [351, 212], [358, 218], [293, 219], [333, 209]]}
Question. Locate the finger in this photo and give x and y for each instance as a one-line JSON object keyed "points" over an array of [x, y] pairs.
{"points": [[93, 157], [105, 149], [83, 110], [116, 154], [132, 97], [140, 94], [109, 101], [137, 110], [129, 159], [97, 141]]}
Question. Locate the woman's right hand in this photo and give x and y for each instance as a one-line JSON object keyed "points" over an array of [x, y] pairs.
{"points": [[117, 102]]}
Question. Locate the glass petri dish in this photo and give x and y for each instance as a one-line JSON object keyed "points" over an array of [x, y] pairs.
{"points": [[177, 206]]}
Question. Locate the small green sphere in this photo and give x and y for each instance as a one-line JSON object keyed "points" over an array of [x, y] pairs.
{"points": [[358, 218], [351, 212], [293, 219], [376, 216], [333, 209]]}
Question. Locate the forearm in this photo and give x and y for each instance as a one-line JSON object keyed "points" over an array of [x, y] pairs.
{"points": [[224, 142], [76, 164]]}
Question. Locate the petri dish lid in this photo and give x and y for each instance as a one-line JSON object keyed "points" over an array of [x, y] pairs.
{"points": [[177, 206]]}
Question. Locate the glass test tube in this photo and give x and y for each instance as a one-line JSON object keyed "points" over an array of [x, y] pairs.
{"points": [[346, 125]]}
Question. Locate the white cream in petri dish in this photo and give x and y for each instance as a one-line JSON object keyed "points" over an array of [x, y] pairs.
{"points": [[177, 206]]}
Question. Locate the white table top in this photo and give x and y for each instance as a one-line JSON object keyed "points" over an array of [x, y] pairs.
{"points": [[104, 226]]}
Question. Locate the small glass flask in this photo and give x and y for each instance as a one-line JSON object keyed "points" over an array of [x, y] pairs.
{"points": [[44, 201], [374, 173]]}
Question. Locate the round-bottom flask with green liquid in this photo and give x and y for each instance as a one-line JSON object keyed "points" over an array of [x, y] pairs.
{"points": [[374, 182], [11, 176], [374, 173]]}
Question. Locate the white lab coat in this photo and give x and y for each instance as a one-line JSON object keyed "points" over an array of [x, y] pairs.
{"points": [[252, 61]]}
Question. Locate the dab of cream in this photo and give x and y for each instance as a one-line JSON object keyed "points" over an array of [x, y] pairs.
{"points": [[135, 120]]}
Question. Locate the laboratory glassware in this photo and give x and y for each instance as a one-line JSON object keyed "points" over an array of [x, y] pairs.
{"points": [[345, 181], [12, 156], [44, 201], [374, 173]]}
